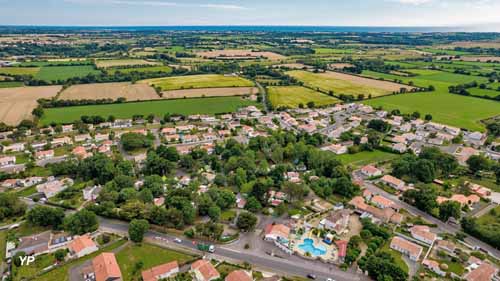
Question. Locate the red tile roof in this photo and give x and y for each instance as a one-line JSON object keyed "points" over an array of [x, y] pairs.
{"points": [[238, 275], [106, 267], [152, 274]]}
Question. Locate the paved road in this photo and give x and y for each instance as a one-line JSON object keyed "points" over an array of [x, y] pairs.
{"points": [[290, 265], [441, 225]]}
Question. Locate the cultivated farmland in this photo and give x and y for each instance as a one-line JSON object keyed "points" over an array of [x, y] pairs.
{"points": [[19, 70], [132, 92], [240, 54], [166, 69], [159, 108], [209, 92], [341, 83], [198, 81], [54, 73], [123, 62], [16, 104], [292, 96]]}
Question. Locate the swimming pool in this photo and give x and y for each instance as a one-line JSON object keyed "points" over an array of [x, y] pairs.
{"points": [[308, 247]]}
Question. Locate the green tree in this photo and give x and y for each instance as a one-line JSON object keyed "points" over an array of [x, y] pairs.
{"points": [[449, 209], [137, 229], [45, 216], [81, 222], [246, 221]]}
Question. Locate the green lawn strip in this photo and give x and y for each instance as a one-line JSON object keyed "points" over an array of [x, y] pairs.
{"points": [[19, 70], [61, 273], [27, 271], [366, 157], [292, 96], [199, 81], [150, 256], [11, 84], [166, 69], [127, 110]]}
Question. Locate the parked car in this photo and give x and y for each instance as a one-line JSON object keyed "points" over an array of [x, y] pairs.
{"points": [[177, 240]]}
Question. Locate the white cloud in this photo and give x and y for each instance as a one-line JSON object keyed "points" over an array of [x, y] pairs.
{"points": [[413, 2], [160, 4]]}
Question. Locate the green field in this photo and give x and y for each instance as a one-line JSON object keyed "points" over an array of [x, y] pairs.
{"points": [[483, 92], [11, 84], [456, 110], [149, 255], [54, 73], [199, 81], [330, 51], [292, 96], [19, 70], [159, 108], [366, 157], [327, 83], [167, 69], [56, 63]]}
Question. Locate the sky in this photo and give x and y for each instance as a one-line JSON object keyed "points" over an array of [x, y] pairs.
{"points": [[485, 13]]}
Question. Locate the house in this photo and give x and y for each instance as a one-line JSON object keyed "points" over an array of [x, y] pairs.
{"points": [[412, 250], [172, 138], [91, 193], [67, 128], [44, 154], [105, 268], [189, 138], [7, 160], [293, 177], [399, 147], [337, 221], [82, 246], [36, 244], [81, 152], [393, 182], [464, 153], [423, 233], [371, 171], [52, 188], [273, 232], [204, 271], [82, 138], [342, 249], [61, 141], [15, 147], [382, 202], [161, 272], [168, 131], [479, 190], [10, 183], [484, 272], [335, 148], [101, 137], [434, 267], [374, 213], [447, 246], [239, 275], [460, 198], [159, 201]]}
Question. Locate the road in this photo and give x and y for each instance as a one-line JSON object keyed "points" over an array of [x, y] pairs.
{"points": [[444, 227], [291, 265]]}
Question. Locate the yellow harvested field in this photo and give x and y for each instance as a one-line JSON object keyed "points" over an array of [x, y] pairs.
{"points": [[210, 92], [470, 44], [124, 62], [339, 65], [240, 54], [132, 92], [16, 104]]}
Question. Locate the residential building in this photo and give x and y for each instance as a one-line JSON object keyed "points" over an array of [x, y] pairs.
{"points": [[82, 246], [382, 202], [52, 188], [15, 147], [412, 250], [337, 221], [273, 232], [91, 193], [204, 271], [105, 268], [434, 267], [423, 233], [335, 148], [371, 171], [239, 275], [44, 154], [7, 160], [160, 272], [393, 182], [484, 272], [460, 198]]}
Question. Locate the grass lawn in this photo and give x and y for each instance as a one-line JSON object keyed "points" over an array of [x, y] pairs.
{"points": [[228, 215], [199, 81], [456, 110], [366, 157], [127, 110], [149, 255], [123, 62], [54, 73], [454, 267], [166, 69], [292, 96], [26, 191], [11, 84], [27, 271], [19, 70], [225, 268], [62, 273], [397, 257], [26, 229], [484, 92], [3, 242]]}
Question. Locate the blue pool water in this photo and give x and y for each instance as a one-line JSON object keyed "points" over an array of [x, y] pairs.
{"points": [[308, 246]]}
